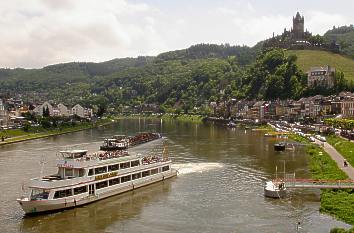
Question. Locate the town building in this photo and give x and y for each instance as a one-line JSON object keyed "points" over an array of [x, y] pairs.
{"points": [[321, 76], [81, 111], [38, 110], [63, 110], [3, 114]]}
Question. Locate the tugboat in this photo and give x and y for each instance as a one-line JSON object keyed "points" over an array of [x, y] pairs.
{"points": [[122, 142], [279, 146], [118, 142]]}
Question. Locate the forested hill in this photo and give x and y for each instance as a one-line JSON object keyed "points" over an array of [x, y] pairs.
{"points": [[102, 68], [244, 54], [183, 80], [344, 36]]}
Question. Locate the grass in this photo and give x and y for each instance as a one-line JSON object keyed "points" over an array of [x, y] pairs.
{"points": [[298, 138], [322, 166], [309, 58], [338, 203], [344, 147], [18, 135]]}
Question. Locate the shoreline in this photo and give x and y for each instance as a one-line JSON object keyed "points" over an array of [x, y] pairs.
{"points": [[335, 203], [34, 136]]}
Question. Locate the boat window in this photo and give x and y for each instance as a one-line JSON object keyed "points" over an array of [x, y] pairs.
{"points": [[125, 179], [135, 163], [90, 172], [63, 193], [114, 167], [79, 190], [145, 173], [124, 165], [39, 194], [102, 184], [69, 172], [114, 181], [100, 170], [165, 168], [154, 171], [136, 176], [81, 172]]}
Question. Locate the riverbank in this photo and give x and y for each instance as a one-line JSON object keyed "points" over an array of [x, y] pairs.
{"points": [[184, 117], [180, 117], [21, 136], [337, 203]]}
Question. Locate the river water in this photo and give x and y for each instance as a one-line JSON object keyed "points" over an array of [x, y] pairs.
{"points": [[219, 187]]}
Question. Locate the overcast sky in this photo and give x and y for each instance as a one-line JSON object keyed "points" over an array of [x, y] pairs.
{"points": [[36, 33]]}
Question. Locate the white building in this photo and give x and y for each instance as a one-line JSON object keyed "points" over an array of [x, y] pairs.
{"points": [[63, 110], [81, 111], [39, 109], [321, 76], [3, 114]]}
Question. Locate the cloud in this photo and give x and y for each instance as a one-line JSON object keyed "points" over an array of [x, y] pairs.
{"points": [[40, 32], [46, 32]]}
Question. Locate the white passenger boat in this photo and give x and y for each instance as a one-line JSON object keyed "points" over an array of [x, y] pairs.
{"points": [[83, 178]]}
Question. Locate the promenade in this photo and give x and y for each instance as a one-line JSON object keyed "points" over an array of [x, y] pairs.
{"points": [[337, 157]]}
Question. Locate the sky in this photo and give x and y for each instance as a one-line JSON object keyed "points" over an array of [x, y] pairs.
{"points": [[37, 33]]}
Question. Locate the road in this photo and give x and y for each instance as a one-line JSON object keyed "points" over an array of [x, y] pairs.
{"points": [[337, 157]]}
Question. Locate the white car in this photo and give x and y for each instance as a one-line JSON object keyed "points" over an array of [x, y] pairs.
{"points": [[312, 139]]}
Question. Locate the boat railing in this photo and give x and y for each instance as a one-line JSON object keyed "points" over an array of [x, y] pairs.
{"points": [[103, 156], [45, 183]]}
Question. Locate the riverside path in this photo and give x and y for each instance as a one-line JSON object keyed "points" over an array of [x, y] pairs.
{"points": [[337, 157]]}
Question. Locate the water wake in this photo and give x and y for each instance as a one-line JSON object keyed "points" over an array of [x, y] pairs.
{"points": [[186, 168]]}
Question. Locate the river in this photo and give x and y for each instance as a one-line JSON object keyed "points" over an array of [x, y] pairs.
{"points": [[218, 189]]}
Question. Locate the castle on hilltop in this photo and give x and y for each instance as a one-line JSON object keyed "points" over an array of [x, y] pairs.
{"points": [[299, 38], [296, 37]]}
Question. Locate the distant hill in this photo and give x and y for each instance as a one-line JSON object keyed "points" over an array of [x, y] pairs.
{"points": [[245, 55], [344, 36], [310, 58]]}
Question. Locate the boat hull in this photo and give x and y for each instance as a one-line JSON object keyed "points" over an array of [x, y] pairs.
{"points": [[44, 206], [279, 147], [274, 190], [275, 193]]}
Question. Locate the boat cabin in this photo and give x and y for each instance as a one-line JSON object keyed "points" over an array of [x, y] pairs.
{"points": [[73, 154]]}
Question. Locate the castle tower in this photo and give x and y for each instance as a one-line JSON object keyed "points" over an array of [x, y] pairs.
{"points": [[298, 27]]}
